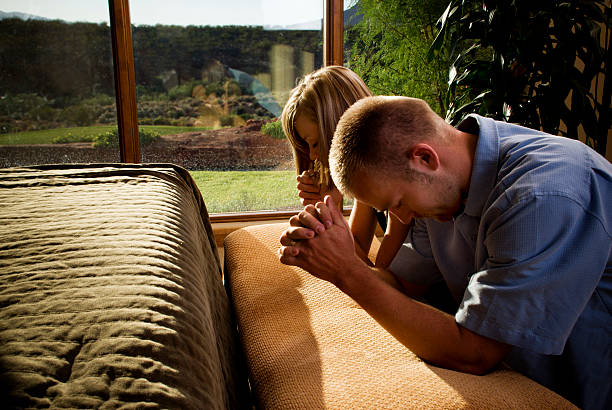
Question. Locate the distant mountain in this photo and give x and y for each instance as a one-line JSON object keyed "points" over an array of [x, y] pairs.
{"points": [[309, 25], [351, 17], [19, 15]]}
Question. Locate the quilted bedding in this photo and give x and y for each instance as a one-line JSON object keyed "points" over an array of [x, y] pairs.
{"points": [[111, 292]]}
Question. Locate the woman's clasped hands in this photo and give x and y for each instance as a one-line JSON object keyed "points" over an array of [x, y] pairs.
{"points": [[309, 189]]}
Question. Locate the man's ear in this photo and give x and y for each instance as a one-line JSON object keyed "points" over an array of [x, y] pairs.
{"points": [[423, 157]]}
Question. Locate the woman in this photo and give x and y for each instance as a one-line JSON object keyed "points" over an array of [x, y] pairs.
{"points": [[309, 120]]}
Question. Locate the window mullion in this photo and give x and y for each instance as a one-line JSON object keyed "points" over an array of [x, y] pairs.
{"points": [[333, 30], [125, 83]]}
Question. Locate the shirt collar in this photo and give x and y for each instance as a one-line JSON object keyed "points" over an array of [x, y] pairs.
{"points": [[484, 167]]}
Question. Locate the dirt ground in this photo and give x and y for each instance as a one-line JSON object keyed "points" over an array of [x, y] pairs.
{"points": [[237, 148]]}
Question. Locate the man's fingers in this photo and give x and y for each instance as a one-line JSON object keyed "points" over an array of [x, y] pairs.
{"points": [[334, 211], [296, 233], [324, 214], [288, 255], [306, 202], [296, 220], [308, 219]]}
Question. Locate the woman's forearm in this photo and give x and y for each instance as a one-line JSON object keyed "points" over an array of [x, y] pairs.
{"points": [[395, 236]]}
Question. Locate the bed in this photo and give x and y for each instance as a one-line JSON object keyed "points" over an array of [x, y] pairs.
{"points": [[111, 292]]}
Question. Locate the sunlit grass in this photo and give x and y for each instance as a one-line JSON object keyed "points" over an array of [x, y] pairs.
{"points": [[241, 191], [84, 134]]}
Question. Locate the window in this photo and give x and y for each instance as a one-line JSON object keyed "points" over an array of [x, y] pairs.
{"points": [[293, 45], [211, 80], [57, 99]]}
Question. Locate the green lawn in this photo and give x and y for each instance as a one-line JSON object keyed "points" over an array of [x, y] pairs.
{"points": [[240, 191], [87, 133], [223, 191]]}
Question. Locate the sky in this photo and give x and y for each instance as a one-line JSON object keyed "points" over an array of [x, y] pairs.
{"points": [[179, 12]]}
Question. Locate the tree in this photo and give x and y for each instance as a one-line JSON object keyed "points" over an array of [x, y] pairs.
{"points": [[388, 49], [541, 63]]}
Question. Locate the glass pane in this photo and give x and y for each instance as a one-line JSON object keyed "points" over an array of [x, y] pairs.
{"points": [[57, 99], [395, 61], [209, 76]]}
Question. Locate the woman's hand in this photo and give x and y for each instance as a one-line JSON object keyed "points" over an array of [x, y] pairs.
{"points": [[309, 190]]}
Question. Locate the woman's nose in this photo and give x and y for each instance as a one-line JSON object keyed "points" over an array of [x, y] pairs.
{"points": [[314, 154]]}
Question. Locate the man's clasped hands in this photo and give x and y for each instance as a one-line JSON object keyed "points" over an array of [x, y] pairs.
{"points": [[319, 241]]}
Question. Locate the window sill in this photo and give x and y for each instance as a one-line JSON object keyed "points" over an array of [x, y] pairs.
{"points": [[224, 224]]}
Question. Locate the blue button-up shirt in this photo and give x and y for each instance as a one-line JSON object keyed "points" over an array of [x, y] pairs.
{"points": [[529, 260]]}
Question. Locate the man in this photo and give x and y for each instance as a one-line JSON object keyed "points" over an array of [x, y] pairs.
{"points": [[518, 223]]}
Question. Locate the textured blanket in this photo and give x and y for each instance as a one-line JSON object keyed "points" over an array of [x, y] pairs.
{"points": [[309, 346], [111, 292]]}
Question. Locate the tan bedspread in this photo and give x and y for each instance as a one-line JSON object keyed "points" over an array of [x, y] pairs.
{"points": [[309, 346], [110, 291]]}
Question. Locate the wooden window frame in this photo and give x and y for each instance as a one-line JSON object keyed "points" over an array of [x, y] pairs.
{"points": [[125, 86], [125, 80]]}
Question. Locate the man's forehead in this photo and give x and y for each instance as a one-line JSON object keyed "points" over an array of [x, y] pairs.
{"points": [[370, 189]]}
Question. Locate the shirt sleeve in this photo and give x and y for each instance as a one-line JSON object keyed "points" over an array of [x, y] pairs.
{"points": [[414, 261], [545, 257]]}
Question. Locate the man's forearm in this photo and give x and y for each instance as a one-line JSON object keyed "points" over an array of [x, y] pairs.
{"points": [[330, 255], [430, 333]]}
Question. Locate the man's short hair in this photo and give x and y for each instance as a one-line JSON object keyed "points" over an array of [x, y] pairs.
{"points": [[375, 133]]}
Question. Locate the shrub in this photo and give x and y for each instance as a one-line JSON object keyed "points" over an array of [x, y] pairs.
{"points": [[80, 115], [161, 120], [215, 88], [68, 138], [180, 91], [226, 120], [110, 139], [5, 126], [147, 137], [99, 100], [43, 113], [273, 129]]}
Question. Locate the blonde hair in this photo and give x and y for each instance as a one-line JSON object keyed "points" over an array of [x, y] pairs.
{"points": [[375, 132], [322, 96]]}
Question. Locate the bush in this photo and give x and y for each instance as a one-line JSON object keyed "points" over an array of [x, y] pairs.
{"points": [[5, 126], [215, 88], [226, 120], [69, 138], [110, 139], [161, 120], [180, 91], [147, 137], [19, 105], [99, 100], [273, 129], [80, 115], [43, 113]]}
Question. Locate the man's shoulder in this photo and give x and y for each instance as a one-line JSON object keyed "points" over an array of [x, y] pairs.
{"points": [[535, 164]]}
